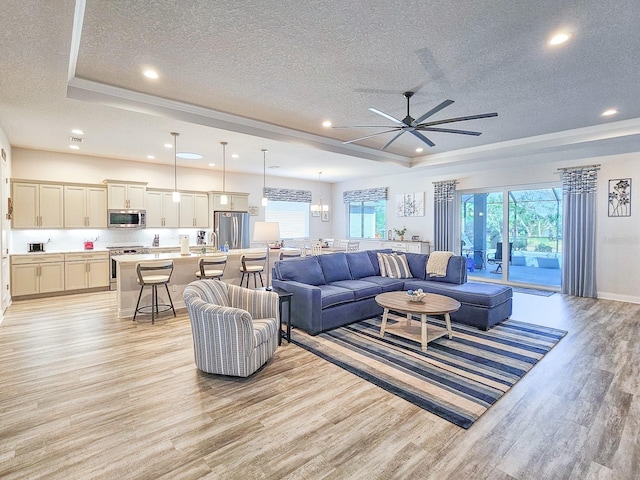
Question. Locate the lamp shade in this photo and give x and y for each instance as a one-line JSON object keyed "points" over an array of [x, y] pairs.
{"points": [[266, 232]]}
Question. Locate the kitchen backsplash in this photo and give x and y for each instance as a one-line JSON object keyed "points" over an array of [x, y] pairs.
{"points": [[65, 240]]}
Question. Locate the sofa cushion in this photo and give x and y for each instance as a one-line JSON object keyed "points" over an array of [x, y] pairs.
{"points": [[360, 288], [332, 295], [373, 256], [334, 267], [417, 264], [360, 265], [304, 270], [456, 271], [393, 265], [487, 295], [387, 284]]}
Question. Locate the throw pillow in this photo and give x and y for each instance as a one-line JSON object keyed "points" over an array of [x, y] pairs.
{"points": [[393, 265]]}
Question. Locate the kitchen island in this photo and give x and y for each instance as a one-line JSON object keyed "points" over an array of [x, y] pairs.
{"points": [[184, 270]]}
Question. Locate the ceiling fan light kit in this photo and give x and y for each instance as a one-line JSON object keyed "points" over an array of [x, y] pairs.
{"points": [[416, 126]]}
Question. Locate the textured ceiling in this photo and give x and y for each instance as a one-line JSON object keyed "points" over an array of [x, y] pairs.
{"points": [[272, 71]]}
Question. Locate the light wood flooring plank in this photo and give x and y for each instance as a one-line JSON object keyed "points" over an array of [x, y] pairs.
{"points": [[86, 395]]}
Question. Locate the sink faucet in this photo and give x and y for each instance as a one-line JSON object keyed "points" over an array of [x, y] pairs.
{"points": [[213, 240]]}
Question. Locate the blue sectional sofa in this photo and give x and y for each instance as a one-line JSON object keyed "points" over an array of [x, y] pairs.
{"points": [[336, 289]]}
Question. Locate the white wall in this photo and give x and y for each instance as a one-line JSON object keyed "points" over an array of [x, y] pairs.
{"points": [[60, 167], [5, 224], [618, 255]]}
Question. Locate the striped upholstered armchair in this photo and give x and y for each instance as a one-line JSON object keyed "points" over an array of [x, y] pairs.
{"points": [[235, 330]]}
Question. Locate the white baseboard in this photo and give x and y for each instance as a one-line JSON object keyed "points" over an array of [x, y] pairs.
{"points": [[619, 298]]}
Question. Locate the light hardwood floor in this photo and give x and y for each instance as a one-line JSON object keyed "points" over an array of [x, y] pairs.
{"points": [[85, 395]]}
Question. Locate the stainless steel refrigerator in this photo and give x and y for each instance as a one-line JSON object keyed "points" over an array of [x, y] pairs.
{"points": [[232, 228]]}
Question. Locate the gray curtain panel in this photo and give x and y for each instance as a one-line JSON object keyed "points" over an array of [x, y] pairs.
{"points": [[579, 231], [444, 215]]}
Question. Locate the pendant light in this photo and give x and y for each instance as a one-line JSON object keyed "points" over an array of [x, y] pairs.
{"points": [[224, 200], [319, 207], [264, 177], [175, 196]]}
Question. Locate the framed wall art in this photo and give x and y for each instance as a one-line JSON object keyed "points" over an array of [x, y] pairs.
{"points": [[325, 216], [410, 204], [620, 197]]}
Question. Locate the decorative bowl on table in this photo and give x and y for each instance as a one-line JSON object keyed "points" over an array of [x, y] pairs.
{"points": [[416, 295]]}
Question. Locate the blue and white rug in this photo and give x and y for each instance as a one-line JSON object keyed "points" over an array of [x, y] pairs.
{"points": [[457, 379]]}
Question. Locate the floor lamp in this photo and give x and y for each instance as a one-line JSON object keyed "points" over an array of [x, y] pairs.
{"points": [[266, 232]]}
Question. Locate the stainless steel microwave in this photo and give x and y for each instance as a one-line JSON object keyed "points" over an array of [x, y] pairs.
{"points": [[127, 219]]}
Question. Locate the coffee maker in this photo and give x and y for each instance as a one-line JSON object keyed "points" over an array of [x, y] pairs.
{"points": [[200, 237]]}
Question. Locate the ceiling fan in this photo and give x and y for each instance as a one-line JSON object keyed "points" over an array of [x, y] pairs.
{"points": [[417, 125]]}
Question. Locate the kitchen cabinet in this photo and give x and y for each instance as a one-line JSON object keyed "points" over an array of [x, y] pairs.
{"points": [[194, 210], [86, 270], [126, 195], [36, 274], [162, 211], [37, 205], [85, 206], [237, 202]]}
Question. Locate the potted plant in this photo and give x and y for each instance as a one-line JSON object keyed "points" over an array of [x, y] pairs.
{"points": [[400, 232]]}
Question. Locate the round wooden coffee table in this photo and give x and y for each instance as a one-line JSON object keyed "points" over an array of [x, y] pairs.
{"points": [[432, 304]]}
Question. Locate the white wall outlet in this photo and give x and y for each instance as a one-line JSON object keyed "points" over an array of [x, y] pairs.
{"points": [[174, 288]]}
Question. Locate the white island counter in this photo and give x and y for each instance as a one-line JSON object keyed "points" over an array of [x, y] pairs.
{"points": [[184, 270]]}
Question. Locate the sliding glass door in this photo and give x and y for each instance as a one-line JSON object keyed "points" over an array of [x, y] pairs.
{"points": [[529, 250]]}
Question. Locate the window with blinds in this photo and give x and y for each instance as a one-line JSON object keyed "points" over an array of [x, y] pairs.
{"points": [[293, 218]]}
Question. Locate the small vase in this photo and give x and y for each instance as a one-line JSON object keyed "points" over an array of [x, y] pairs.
{"points": [[402, 238]]}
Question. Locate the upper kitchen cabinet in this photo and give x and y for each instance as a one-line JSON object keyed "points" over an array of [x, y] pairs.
{"points": [[85, 206], [194, 210], [237, 202], [126, 194], [37, 205], [162, 211]]}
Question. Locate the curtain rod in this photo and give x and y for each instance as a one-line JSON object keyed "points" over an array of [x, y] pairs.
{"points": [[564, 169]]}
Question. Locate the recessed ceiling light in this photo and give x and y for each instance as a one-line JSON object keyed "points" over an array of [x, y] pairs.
{"points": [[189, 156], [212, 164], [152, 74], [74, 147], [609, 112], [559, 39], [235, 155], [419, 150], [150, 157], [77, 131], [326, 123], [168, 145]]}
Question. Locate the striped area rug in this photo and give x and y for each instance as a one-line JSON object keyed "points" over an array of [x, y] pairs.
{"points": [[457, 379]]}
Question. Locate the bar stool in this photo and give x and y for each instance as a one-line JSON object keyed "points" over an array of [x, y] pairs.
{"points": [[252, 263], [211, 267], [154, 273]]}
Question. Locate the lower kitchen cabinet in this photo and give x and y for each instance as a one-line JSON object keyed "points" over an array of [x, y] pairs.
{"points": [[86, 270], [37, 273]]}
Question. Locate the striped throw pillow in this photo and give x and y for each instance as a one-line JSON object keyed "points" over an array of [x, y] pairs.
{"points": [[393, 265]]}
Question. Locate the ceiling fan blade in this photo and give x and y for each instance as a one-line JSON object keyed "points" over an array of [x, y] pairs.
{"points": [[366, 126], [458, 119], [369, 136], [433, 111], [389, 117], [449, 130], [392, 140], [423, 138]]}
